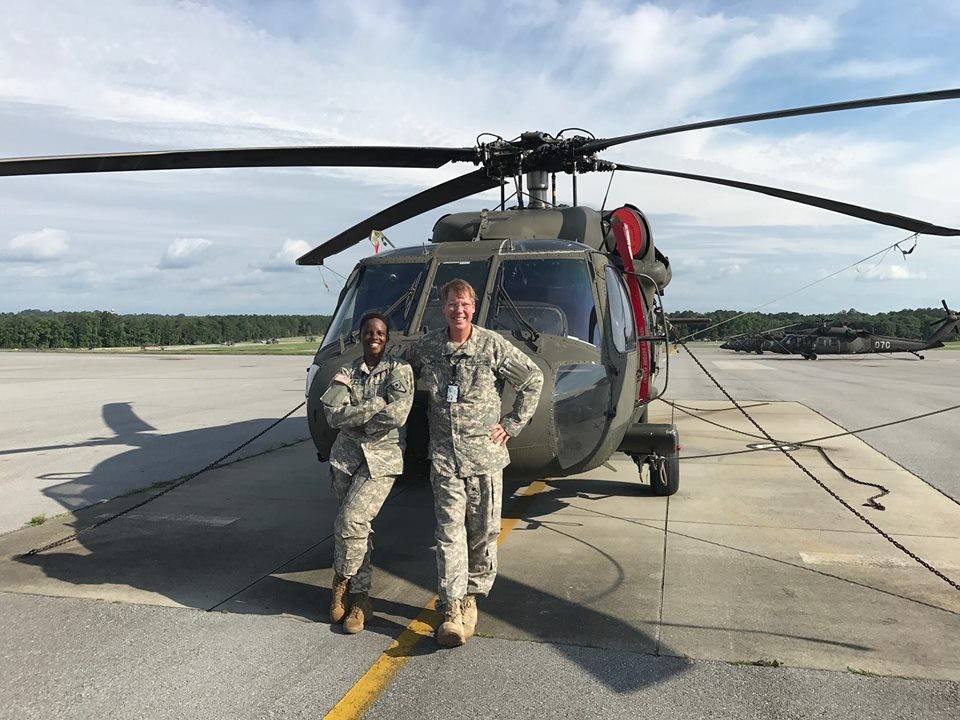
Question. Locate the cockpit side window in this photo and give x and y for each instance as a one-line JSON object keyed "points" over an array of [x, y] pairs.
{"points": [[552, 295], [622, 326], [386, 288]]}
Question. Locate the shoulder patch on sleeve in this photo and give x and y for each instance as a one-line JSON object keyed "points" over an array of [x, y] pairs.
{"points": [[514, 371], [398, 386]]}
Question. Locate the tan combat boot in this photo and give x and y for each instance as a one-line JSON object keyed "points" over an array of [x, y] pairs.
{"points": [[450, 633], [338, 601], [469, 609], [360, 612]]}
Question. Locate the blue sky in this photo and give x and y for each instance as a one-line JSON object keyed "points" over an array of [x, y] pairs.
{"points": [[124, 75]]}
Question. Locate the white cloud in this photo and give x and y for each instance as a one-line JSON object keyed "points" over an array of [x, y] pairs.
{"points": [[249, 278], [42, 246], [75, 271], [878, 69], [184, 253], [155, 74], [891, 272], [685, 55], [285, 259]]}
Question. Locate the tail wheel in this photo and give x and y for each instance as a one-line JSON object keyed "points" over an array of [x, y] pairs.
{"points": [[664, 473]]}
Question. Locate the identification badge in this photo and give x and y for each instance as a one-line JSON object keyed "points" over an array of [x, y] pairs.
{"points": [[453, 393]]}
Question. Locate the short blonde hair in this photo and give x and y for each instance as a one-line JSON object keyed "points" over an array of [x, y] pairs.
{"points": [[458, 287]]}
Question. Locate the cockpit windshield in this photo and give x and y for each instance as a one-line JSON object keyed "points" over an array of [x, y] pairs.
{"points": [[553, 296], [473, 271], [390, 289]]}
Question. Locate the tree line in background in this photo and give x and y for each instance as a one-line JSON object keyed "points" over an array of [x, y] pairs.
{"points": [[31, 329], [901, 323]]}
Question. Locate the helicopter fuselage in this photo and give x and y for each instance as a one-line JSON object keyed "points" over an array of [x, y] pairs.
{"points": [[561, 302]]}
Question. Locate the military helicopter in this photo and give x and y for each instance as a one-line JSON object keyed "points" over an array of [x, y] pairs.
{"points": [[843, 340], [575, 288], [757, 342], [746, 343]]}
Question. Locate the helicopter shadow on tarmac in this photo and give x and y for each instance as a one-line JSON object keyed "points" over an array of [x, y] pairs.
{"points": [[523, 605], [254, 538], [154, 458]]}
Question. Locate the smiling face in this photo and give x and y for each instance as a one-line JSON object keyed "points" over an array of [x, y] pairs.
{"points": [[458, 309], [373, 336]]}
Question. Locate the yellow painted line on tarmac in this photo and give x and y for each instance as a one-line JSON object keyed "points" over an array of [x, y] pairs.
{"points": [[368, 688]]}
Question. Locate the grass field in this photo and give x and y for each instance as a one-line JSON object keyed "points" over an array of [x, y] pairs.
{"points": [[286, 346], [283, 346]]}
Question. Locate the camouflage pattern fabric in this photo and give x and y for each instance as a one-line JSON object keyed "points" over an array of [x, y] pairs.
{"points": [[460, 444], [361, 498], [366, 456], [369, 415], [468, 525], [466, 466]]}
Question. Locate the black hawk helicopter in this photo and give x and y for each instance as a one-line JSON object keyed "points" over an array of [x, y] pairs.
{"points": [[746, 343], [758, 342], [829, 339], [576, 289]]}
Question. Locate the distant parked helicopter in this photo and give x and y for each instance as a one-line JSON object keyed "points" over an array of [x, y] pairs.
{"points": [[757, 342], [843, 340], [746, 343]]}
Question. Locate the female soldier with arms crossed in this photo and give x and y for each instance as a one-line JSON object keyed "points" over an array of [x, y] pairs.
{"points": [[369, 401]]}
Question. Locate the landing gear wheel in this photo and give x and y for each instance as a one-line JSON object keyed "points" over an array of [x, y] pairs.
{"points": [[664, 473]]}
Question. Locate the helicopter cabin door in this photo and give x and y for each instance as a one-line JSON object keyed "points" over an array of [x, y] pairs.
{"points": [[827, 345]]}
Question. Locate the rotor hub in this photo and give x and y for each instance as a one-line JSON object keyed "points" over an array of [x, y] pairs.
{"points": [[537, 151]]}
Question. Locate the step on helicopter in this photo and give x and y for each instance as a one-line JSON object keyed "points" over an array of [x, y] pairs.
{"points": [[828, 339], [577, 289]]}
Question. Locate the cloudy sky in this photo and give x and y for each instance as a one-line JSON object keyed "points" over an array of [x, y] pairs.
{"points": [[124, 75]]}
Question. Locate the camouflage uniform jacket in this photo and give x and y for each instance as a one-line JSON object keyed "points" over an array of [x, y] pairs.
{"points": [[460, 444], [370, 414]]}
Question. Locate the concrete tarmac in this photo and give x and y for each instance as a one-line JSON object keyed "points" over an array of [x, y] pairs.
{"points": [[78, 429], [750, 593], [854, 391]]}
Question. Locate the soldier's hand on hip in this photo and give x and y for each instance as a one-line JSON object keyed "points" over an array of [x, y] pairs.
{"points": [[498, 435]]}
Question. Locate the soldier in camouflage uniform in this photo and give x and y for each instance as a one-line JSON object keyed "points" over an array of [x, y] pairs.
{"points": [[463, 368], [369, 401]]}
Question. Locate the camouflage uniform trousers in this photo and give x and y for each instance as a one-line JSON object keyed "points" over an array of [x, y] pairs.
{"points": [[468, 525], [361, 498]]}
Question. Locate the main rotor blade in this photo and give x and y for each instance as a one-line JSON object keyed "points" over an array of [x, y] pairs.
{"points": [[315, 156], [456, 189], [951, 94], [864, 213]]}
